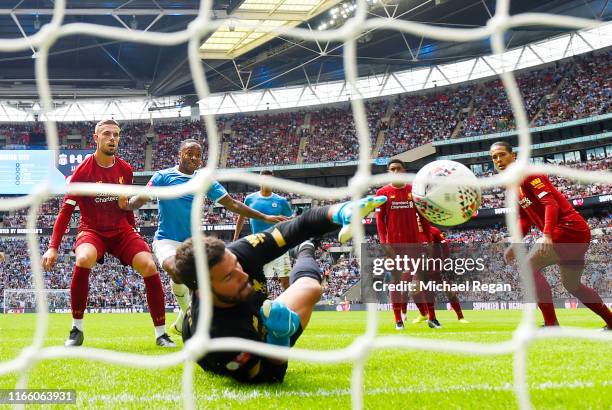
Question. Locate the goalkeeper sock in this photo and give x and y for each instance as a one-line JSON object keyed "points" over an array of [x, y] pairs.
{"points": [[305, 265], [79, 287], [181, 292]]}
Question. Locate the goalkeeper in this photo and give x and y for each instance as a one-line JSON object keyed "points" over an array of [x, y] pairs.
{"points": [[239, 289]]}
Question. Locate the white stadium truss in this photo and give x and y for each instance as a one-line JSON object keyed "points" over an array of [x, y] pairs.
{"points": [[318, 93], [358, 351]]}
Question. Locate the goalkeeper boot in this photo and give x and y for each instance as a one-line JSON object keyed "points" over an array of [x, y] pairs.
{"points": [[434, 324], [75, 339], [165, 341], [464, 321], [177, 326], [343, 212]]}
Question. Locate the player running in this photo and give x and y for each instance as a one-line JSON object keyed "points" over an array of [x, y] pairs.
{"points": [[239, 289], [564, 242], [105, 227], [175, 216], [269, 203], [397, 224]]}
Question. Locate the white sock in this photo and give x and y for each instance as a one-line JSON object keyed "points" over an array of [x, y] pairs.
{"points": [[182, 295], [78, 323], [160, 330]]}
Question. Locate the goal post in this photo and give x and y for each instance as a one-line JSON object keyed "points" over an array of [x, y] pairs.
{"points": [[24, 300]]}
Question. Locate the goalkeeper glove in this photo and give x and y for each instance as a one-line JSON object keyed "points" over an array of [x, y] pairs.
{"points": [[280, 321]]}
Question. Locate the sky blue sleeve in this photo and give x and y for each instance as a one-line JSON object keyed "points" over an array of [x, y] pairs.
{"points": [[216, 192], [287, 211], [248, 200], [156, 180]]}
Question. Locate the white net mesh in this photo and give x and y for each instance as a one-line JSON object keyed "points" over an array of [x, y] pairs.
{"points": [[359, 350]]}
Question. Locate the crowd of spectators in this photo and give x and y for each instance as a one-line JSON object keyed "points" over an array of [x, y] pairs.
{"points": [[564, 91], [492, 111], [586, 91], [420, 119]]}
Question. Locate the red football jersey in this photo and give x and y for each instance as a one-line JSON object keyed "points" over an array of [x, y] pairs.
{"points": [[545, 207], [101, 212], [397, 219]]}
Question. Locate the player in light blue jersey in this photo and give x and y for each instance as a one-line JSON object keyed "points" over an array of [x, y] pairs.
{"points": [[175, 215], [269, 203]]}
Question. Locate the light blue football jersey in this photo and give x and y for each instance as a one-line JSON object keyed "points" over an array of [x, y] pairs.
{"points": [[175, 214], [269, 205]]}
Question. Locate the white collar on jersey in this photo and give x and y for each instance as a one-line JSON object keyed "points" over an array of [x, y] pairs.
{"points": [[186, 175]]}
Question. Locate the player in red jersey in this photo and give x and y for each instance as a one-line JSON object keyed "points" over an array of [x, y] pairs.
{"points": [[440, 250], [396, 221], [564, 242], [105, 227]]}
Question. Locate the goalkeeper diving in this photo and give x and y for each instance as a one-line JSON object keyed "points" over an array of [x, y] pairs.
{"points": [[240, 297]]}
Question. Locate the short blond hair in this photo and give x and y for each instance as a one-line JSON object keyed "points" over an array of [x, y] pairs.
{"points": [[105, 122]]}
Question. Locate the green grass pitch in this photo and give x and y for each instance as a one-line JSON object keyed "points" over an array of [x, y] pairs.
{"points": [[563, 374]]}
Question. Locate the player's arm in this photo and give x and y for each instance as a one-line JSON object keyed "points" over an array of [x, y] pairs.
{"points": [[137, 201], [239, 225], [241, 209], [524, 225], [381, 221], [59, 228]]}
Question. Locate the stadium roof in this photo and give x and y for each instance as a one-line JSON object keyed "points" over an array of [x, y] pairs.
{"points": [[85, 66]]}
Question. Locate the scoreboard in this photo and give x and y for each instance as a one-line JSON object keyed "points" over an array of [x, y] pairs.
{"points": [[22, 170]]}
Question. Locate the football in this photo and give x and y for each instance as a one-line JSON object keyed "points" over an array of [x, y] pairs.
{"points": [[442, 204]]}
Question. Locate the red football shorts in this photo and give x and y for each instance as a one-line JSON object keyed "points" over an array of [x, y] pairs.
{"points": [[123, 244], [571, 242]]}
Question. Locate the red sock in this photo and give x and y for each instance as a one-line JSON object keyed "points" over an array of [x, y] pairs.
{"points": [[454, 302], [79, 288], [397, 312], [155, 299], [420, 303], [591, 299], [404, 307], [545, 300], [431, 305]]}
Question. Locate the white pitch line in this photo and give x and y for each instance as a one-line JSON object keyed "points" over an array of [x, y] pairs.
{"points": [[227, 394]]}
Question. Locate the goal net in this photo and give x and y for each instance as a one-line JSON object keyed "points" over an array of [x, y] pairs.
{"points": [[359, 350], [25, 300]]}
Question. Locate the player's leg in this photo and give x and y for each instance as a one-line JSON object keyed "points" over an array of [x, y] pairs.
{"points": [[132, 250], [165, 251], [544, 297], [570, 277], [453, 299], [419, 300], [284, 264], [87, 248], [305, 289]]}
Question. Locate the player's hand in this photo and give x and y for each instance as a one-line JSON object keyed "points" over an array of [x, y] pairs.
{"points": [[274, 219], [545, 245], [123, 202], [49, 258], [280, 321], [388, 250], [509, 254]]}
